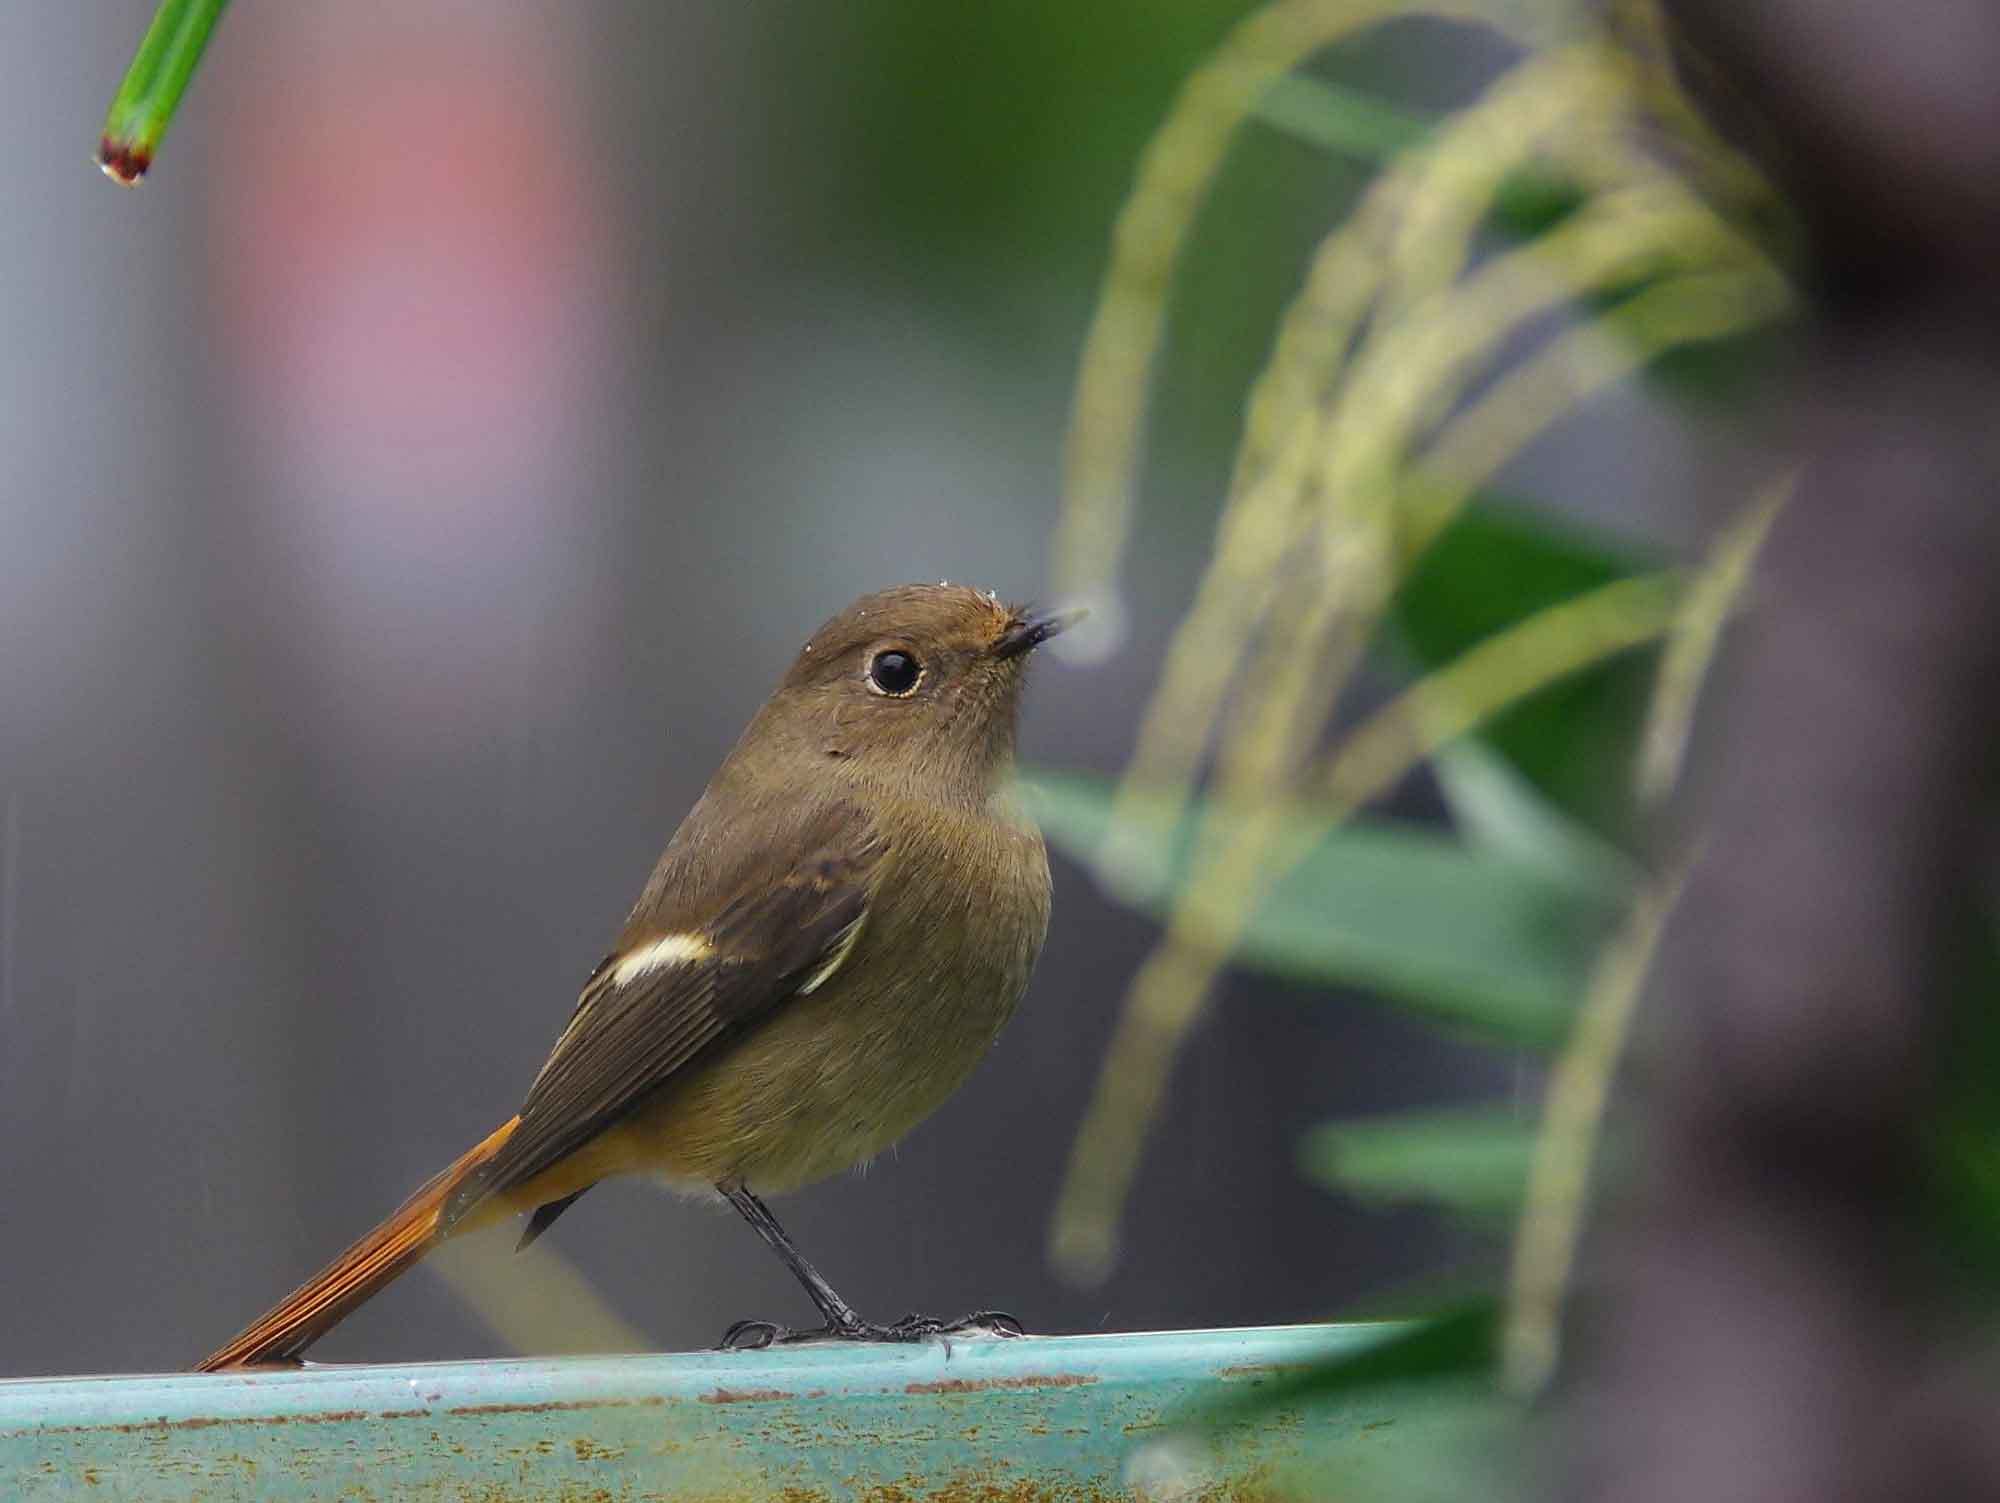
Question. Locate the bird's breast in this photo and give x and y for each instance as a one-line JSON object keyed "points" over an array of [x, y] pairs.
{"points": [[829, 1080]]}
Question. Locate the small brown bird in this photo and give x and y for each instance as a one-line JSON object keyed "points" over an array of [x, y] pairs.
{"points": [[829, 944]]}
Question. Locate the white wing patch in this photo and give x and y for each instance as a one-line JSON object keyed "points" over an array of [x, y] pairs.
{"points": [[837, 952], [669, 949], [685, 949]]}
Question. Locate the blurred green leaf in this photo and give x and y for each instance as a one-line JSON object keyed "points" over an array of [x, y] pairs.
{"points": [[1722, 373], [1961, 1146], [1433, 1375], [1475, 1162], [1337, 118], [1465, 936], [1494, 806], [1576, 740], [1458, 1342], [1535, 198]]}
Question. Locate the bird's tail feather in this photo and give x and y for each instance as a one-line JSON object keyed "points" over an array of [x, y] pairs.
{"points": [[316, 1306]]}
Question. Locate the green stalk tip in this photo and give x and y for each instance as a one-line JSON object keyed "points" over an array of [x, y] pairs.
{"points": [[153, 85]]}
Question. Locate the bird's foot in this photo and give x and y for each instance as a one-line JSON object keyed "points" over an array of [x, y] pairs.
{"points": [[978, 1323], [755, 1335]]}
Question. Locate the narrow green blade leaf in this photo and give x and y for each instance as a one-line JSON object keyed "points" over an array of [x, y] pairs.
{"points": [[1359, 125], [1475, 1162], [1481, 941], [1496, 808], [1339, 119], [1454, 1343]]}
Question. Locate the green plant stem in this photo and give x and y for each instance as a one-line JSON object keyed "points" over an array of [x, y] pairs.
{"points": [[1545, 1239], [151, 91], [1711, 600]]}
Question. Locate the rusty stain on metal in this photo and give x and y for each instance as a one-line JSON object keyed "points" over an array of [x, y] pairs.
{"points": [[552, 1406], [745, 1396], [1258, 1371], [987, 1385], [204, 1422], [973, 1490]]}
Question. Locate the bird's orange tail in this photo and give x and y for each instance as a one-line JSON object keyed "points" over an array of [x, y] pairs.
{"points": [[315, 1307]]}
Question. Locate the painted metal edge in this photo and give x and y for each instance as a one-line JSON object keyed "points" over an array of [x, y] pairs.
{"points": [[1027, 1418]]}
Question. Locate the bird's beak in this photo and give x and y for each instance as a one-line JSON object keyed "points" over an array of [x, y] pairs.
{"points": [[1029, 630]]}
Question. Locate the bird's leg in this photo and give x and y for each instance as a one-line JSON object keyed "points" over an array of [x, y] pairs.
{"points": [[842, 1324], [840, 1317]]}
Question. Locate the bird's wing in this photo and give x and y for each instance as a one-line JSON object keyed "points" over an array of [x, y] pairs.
{"points": [[669, 995]]}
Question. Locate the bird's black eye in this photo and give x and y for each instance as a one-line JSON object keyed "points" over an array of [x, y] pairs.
{"points": [[894, 673]]}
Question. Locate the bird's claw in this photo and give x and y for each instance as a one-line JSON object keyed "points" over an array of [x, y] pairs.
{"points": [[752, 1336], [978, 1323]]}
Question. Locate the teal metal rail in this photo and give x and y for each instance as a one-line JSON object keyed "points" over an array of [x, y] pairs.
{"points": [[1072, 1417]]}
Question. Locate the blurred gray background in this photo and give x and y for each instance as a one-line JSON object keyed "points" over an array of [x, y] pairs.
{"points": [[407, 496]]}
